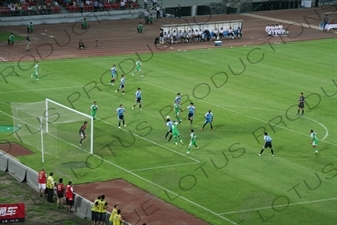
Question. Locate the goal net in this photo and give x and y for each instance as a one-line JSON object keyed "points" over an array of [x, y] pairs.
{"points": [[52, 127]]}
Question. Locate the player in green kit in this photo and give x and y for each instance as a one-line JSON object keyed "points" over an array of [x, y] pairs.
{"points": [[193, 141], [36, 71], [175, 133], [138, 68], [314, 140], [93, 109], [177, 108]]}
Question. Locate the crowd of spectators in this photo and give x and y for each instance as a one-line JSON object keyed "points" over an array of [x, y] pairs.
{"points": [[179, 36], [29, 7]]}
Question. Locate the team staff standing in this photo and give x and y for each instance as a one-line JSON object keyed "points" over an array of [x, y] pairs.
{"points": [[69, 196], [50, 187], [102, 206], [42, 180], [94, 211]]}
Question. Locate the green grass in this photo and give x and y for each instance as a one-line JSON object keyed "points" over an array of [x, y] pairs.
{"points": [[224, 180], [4, 36]]}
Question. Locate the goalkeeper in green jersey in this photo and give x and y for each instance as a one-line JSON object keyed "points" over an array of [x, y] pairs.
{"points": [[138, 68], [177, 109], [93, 109], [175, 133], [314, 141], [193, 141], [36, 71]]}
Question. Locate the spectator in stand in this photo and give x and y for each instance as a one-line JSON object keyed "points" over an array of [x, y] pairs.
{"points": [[42, 180], [140, 27], [60, 193], [122, 4], [69, 196], [96, 5], [145, 4], [50, 187], [154, 2]]}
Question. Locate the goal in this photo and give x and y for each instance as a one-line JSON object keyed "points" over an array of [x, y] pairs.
{"points": [[51, 127]]}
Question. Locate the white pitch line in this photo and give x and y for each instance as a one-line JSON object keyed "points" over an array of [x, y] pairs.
{"points": [[152, 142], [39, 89], [278, 206], [162, 167], [157, 185], [252, 117]]}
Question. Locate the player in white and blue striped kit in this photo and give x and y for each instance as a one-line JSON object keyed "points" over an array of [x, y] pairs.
{"points": [[120, 115], [208, 119], [121, 85], [113, 74], [267, 144], [169, 124], [191, 110], [138, 95]]}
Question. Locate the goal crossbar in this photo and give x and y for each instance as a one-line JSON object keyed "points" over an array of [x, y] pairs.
{"points": [[77, 112]]}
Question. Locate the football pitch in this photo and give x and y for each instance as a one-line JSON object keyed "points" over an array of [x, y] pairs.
{"points": [[250, 90]]}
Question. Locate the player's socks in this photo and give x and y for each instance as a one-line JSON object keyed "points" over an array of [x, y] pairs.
{"points": [[272, 152], [302, 112], [261, 152], [169, 138]]}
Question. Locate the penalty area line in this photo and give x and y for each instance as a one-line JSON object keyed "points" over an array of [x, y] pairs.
{"points": [[164, 167], [278, 206], [252, 117]]}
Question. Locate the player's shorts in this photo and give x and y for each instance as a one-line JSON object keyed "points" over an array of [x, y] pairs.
{"points": [[93, 114], [121, 86], [69, 202], [82, 135], [113, 75], [194, 142], [176, 113], [101, 217], [175, 134], [190, 115], [138, 100], [301, 105], [121, 117], [42, 186], [60, 195], [208, 121], [169, 130], [94, 216], [138, 69], [314, 143], [268, 145]]}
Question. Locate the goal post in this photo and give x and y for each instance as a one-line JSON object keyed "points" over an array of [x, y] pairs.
{"points": [[50, 105], [52, 128]]}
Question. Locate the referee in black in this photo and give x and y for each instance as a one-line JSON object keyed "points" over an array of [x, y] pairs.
{"points": [[301, 101]]}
